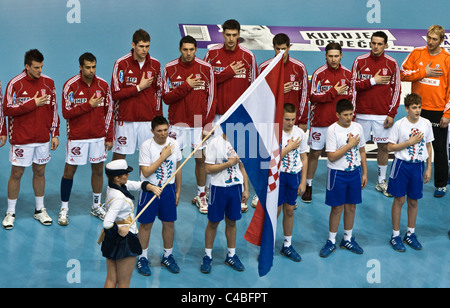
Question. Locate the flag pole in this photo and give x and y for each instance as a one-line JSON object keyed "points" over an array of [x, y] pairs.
{"points": [[176, 171]]}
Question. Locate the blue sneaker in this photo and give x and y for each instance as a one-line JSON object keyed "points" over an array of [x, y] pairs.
{"points": [[205, 267], [440, 192], [235, 263], [290, 253], [412, 241], [351, 245], [327, 249], [396, 243], [170, 264], [143, 266]]}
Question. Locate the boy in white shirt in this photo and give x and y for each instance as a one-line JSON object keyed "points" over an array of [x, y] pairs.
{"points": [[159, 158], [347, 176], [410, 139], [294, 161], [228, 177]]}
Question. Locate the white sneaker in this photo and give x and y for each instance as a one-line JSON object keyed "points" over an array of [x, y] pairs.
{"points": [[202, 204], [43, 217], [255, 201], [244, 207], [8, 221], [63, 217], [98, 211], [382, 187]]}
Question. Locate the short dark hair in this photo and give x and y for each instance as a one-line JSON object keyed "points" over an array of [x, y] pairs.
{"points": [[412, 99], [87, 56], [380, 34], [333, 46], [344, 105], [159, 120], [231, 24], [281, 39], [33, 55], [188, 40], [141, 35], [289, 108]]}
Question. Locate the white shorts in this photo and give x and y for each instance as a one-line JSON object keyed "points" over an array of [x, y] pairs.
{"points": [[376, 127], [317, 137], [26, 154], [78, 151], [128, 136], [187, 136]]}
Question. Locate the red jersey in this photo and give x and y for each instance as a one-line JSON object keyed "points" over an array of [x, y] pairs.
{"points": [[28, 123], [377, 99], [2, 116], [194, 107], [323, 95], [295, 72], [83, 120], [129, 104], [229, 85]]}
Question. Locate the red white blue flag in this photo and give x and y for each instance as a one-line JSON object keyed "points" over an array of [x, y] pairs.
{"points": [[253, 125]]}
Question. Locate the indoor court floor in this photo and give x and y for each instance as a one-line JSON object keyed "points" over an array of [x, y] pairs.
{"points": [[37, 256]]}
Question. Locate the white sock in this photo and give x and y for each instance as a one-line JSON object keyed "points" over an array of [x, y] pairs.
{"points": [[144, 253], [208, 252], [309, 182], [381, 173], [411, 230], [12, 205], [231, 252], [347, 235], [64, 205], [287, 241], [96, 199], [200, 190], [39, 203], [332, 237], [395, 233], [167, 252]]}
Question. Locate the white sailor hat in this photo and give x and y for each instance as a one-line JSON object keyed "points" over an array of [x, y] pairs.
{"points": [[117, 167]]}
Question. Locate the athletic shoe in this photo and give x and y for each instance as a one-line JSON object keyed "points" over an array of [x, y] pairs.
{"points": [[290, 253], [244, 207], [396, 243], [255, 201], [351, 245], [382, 187], [98, 211], [63, 217], [143, 266], [235, 263], [327, 249], [307, 195], [8, 221], [43, 217], [205, 267], [440, 192], [170, 263], [201, 203], [412, 241]]}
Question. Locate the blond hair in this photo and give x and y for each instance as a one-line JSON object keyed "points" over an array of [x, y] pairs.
{"points": [[436, 29]]}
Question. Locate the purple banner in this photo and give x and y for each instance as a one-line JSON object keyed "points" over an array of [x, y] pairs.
{"points": [[259, 37]]}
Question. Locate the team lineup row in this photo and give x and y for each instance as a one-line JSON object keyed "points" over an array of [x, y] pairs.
{"points": [[100, 116]]}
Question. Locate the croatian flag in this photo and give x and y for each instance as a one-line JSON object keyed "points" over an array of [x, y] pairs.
{"points": [[253, 125]]}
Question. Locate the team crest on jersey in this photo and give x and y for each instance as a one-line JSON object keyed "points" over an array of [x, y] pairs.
{"points": [[70, 97], [121, 76], [218, 69]]}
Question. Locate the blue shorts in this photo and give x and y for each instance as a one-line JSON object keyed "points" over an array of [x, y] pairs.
{"points": [[164, 207], [406, 179], [289, 183], [224, 201], [343, 187]]}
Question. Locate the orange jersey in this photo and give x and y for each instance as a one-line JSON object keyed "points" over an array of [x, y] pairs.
{"points": [[434, 91]]}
